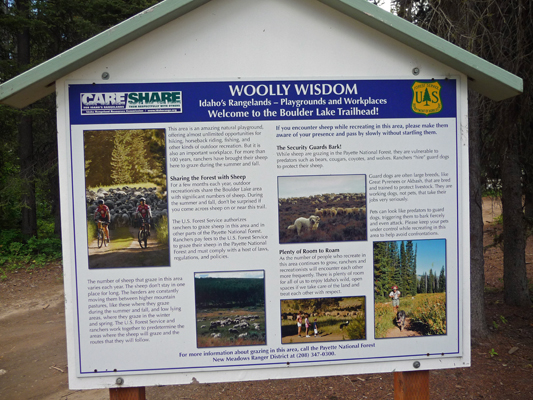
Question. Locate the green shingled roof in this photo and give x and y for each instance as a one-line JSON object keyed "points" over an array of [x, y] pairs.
{"points": [[484, 77]]}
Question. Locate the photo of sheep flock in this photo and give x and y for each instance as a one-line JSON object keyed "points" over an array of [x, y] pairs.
{"points": [[327, 208], [230, 308], [323, 319]]}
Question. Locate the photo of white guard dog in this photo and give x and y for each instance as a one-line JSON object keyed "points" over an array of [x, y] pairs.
{"points": [[321, 208], [302, 224]]}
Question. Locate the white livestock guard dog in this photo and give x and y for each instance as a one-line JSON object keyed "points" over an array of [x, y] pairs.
{"points": [[303, 223]]}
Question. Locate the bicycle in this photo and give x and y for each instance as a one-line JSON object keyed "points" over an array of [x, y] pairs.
{"points": [[100, 234], [143, 234]]}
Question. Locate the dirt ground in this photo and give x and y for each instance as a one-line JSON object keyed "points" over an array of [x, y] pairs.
{"points": [[408, 331], [33, 360], [154, 254]]}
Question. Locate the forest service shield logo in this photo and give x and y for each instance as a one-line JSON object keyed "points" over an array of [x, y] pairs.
{"points": [[426, 98]]}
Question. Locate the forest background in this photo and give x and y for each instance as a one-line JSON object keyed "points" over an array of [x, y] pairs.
{"points": [[125, 156], [501, 154], [395, 264]]}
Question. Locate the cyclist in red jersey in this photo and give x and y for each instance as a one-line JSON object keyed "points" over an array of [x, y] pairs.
{"points": [[144, 212], [102, 214]]}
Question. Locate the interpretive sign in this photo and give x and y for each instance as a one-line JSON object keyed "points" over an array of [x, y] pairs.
{"points": [[259, 225]]}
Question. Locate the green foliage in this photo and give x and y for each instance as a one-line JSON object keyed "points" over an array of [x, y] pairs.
{"points": [[430, 310], [15, 248], [384, 315], [119, 157], [311, 305], [10, 205], [493, 353], [91, 231], [15, 254], [45, 228], [431, 280], [394, 264], [356, 329], [9, 235], [48, 246], [442, 281], [162, 230], [490, 190], [121, 162]]}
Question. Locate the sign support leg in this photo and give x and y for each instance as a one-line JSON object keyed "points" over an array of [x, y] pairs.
{"points": [[132, 393], [412, 385]]}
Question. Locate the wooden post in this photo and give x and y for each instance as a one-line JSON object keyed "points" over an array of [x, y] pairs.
{"points": [[131, 393], [412, 385]]}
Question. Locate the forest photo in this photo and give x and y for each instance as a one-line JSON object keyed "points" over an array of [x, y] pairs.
{"points": [[410, 288], [230, 308], [328, 208], [125, 178]]}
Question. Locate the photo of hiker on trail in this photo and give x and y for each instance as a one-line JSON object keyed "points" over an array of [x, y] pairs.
{"points": [[126, 198], [410, 288]]}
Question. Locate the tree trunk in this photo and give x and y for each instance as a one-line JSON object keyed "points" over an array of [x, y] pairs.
{"points": [[528, 204], [477, 263], [25, 136], [514, 235]]}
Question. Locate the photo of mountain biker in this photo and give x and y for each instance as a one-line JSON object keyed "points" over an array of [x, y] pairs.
{"points": [[144, 213], [102, 214]]}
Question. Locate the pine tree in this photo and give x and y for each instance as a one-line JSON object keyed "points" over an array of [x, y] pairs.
{"points": [[409, 270], [137, 153], [379, 268], [382, 269], [393, 260], [404, 276], [414, 291], [431, 282], [99, 147], [121, 162], [426, 97], [423, 283], [442, 280]]}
